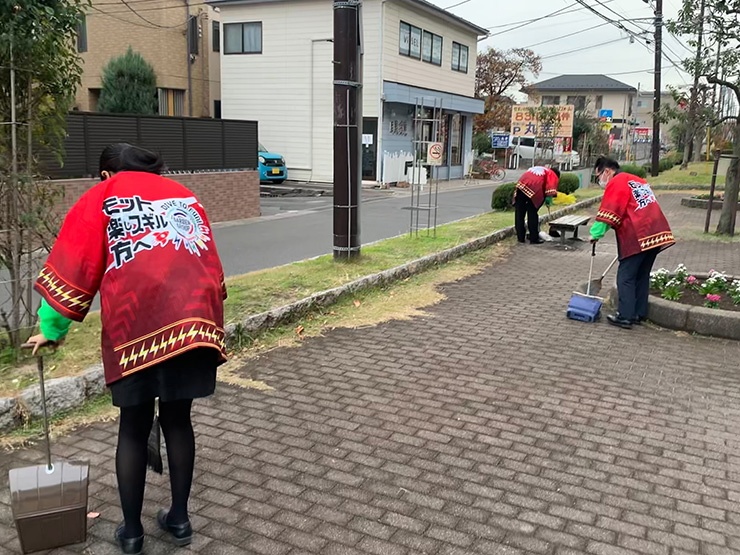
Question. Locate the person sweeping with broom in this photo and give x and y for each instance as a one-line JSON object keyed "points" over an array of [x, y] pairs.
{"points": [[144, 242], [630, 207], [538, 185]]}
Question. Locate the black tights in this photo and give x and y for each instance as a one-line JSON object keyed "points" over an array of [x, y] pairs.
{"points": [[131, 458]]}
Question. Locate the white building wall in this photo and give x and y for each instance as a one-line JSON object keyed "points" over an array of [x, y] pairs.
{"points": [[410, 71]]}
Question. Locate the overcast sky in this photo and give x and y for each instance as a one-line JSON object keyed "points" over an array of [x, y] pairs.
{"points": [[629, 63]]}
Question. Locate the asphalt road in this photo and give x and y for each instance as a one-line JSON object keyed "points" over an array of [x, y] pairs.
{"points": [[298, 228]]}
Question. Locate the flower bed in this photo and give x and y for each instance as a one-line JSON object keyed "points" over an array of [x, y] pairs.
{"points": [[717, 290], [702, 201]]}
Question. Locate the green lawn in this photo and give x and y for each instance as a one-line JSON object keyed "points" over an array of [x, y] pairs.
{"points": [[263, 290], [676, 176]]}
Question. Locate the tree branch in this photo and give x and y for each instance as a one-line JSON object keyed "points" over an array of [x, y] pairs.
{"points": [[714, 123], [715, 80]]}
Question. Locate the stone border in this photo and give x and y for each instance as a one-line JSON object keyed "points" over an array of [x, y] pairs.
{"points": [[66, 393], [703, 203], [696, 319]]}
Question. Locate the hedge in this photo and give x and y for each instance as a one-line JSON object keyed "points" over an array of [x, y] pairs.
{"points": [[502, 197], [568, 183], [634, 169]]}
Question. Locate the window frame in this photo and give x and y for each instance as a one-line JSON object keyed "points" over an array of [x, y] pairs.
{"points": [[216, 36], [409, 52], [432, 39], [81, 38], [241, 25], [457, 59]]}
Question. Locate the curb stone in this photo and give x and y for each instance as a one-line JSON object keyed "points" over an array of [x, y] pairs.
{"points": [[69, 392]]}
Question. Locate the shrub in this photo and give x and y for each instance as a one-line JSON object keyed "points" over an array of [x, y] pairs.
{"points": [[502, 196], [665, 164], [129, 85], [634, 169], [569, 183]]}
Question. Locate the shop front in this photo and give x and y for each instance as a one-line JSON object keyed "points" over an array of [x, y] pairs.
{"points": [[415, 116]]}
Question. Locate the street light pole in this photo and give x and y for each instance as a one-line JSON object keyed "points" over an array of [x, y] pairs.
{"points": [[657, 85]]}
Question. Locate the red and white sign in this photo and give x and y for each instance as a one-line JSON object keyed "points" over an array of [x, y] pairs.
{"points": [[434, 154], [642, 132]]}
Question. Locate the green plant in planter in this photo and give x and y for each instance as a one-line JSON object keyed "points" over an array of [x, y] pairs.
{"points": [[681, 273], [716, 283], [693, 283], [659, 278], [673, 290], [734, 291], [502, 196], [568, 183], [712, 301]]}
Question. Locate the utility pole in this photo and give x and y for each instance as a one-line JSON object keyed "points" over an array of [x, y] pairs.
{"points": [[692, 126], [656, 94], [189, 48], [347, 126]]}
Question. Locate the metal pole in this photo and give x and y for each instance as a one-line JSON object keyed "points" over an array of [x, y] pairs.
{"points": [[347, 127], [29, 209], [711, 192], [657, 85], [42, 390], [189, 49]]}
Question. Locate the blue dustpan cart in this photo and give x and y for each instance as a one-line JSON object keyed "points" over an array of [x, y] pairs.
{"points": [[585, 308]]}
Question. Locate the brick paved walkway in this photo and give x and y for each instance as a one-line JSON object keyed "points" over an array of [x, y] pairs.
{"points": [[492, 426]]}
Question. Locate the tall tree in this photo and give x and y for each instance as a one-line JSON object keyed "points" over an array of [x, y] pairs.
{"points": [[497, 74], [129, 85], [39, 73]]}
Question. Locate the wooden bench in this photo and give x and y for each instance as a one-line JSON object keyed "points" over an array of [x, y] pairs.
{"points": [[568, 223]]}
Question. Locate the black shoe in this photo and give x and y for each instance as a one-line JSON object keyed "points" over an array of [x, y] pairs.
{"points": [[129, 546], [638, 321], [521, 241], [182, 534], [537, 242], [617, 320]]}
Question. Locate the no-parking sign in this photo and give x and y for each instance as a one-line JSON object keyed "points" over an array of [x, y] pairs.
{"points": [[434, 154]]}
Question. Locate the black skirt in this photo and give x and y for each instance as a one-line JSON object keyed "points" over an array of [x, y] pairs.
{"points": [[190, 375]]}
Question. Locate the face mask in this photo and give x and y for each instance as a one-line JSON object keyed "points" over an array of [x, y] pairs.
{"points": [[603, 180]]}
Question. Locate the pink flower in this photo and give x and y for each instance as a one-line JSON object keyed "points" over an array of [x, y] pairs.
{"points": [[691, 280], [713, 298]]}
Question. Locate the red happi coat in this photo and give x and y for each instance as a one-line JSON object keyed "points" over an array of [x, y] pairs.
{"points": [[537, 183], [145, 243], [630, 207]]}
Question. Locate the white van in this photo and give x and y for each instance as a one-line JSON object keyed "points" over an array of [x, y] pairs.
{"points": [[523, 147]]}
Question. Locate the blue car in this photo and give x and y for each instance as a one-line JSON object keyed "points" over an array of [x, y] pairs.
{"points": [[272, 167]]}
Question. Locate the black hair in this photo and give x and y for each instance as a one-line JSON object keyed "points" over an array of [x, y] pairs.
{"points": [[556, 171], [606, 163], [121, 157]]}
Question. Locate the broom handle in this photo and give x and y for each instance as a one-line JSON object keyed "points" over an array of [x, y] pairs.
{"points": [[591, 268], [40, 362], [609, 267]]}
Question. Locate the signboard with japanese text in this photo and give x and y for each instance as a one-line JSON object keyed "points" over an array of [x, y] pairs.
{"points": [[524, 122], [499, 140], [605, 120]]}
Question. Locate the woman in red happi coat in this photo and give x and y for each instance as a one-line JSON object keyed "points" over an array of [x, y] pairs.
{"points": [[145, 244]]}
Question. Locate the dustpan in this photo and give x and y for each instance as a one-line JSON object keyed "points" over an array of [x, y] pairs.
{"points": [[586, 307], [49, 501]]}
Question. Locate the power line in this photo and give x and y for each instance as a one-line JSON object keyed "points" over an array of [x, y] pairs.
{"points": [[137, 14], [456, 5], [556, 12], [582, 49], [127, 20], [566, 36]]}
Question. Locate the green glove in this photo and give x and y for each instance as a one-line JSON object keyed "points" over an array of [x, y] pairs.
{"points": [[53, 325], [548, 201], [598, 230]]}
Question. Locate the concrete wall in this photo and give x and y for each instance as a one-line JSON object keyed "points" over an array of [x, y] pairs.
{"points": [[162, 43], [226, 196]]}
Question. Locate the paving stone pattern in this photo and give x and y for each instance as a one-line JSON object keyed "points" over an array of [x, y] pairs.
{"points": [[493, 425]]}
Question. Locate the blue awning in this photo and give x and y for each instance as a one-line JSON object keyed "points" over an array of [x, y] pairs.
{"points": [[407, 94]]}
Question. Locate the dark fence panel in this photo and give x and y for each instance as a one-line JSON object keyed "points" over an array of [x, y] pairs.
{"points": [[186, 144]]}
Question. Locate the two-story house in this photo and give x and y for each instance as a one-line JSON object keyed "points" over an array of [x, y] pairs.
{"points": [[276, 68], [592, 94], [180, 39]]}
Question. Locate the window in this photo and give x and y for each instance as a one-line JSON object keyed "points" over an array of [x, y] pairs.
{"points": [[579, 102], [171, 102], [640, 104], [599, 102], [217, 109], [457, 126], [82, 34], [243, 38], [193, 34], [410, 41], [550, 100], [216, 36], [459, 57], [431, 48]]}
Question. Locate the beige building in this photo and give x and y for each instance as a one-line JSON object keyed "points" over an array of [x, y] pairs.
{"points": [[277, 69], [592, 93], [171, 36], [644, 114]]}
